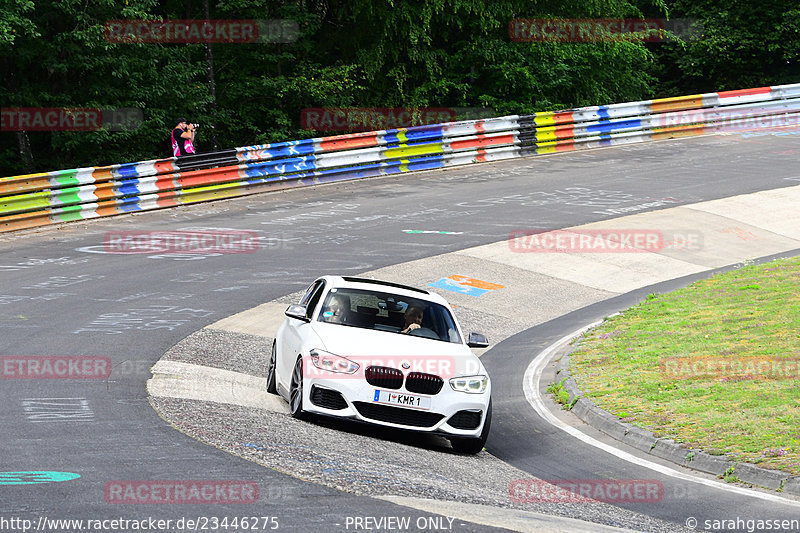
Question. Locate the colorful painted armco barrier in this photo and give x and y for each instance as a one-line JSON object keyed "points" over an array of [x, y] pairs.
{"points": [[67, 195]]}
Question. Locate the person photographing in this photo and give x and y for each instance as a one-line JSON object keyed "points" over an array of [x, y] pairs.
{"points": [[183, 138]]}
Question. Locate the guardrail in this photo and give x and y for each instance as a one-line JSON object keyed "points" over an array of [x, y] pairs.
{"points": [[67, 195]]}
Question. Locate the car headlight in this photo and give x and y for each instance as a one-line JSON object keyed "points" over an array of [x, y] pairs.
{"points": [[332, 363], [470, 384]]}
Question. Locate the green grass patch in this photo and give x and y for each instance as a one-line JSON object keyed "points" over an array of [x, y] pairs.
{"points": [[560, 394], [730, 476], [715, 365]]}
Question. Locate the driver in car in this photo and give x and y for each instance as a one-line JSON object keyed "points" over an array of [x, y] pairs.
{"points": [[337, 310], [412, 319]]}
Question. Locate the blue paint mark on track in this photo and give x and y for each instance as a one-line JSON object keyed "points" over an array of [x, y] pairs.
{"points": [[454, 286]]}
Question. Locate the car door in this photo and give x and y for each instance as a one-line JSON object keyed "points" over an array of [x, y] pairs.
{"points": [[297, 331]]}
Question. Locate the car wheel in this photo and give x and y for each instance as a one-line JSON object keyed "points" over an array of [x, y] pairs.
{"points": [[271, 388], [296, 390], [473, 445]]}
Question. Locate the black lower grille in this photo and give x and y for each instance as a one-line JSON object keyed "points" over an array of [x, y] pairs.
{"points": [[466, 419], [327, 399], [424, 383], [384, 377], [398, 415]]}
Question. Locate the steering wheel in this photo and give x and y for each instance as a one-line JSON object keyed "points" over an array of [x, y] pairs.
{"points": [[424, 332]]}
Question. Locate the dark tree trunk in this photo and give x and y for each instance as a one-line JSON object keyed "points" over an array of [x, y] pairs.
{"points": [[25, 150], [212, 88]]}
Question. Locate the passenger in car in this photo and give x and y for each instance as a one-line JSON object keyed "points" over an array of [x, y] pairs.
{"points": [[412, 319]]}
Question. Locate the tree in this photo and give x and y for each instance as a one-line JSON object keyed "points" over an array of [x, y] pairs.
{"points": [[744, 44]]}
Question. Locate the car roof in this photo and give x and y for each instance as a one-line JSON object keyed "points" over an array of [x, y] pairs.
{"points": [[385, 286]]}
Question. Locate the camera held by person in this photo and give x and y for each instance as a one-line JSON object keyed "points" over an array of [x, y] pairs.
{"points": [[183, 138]]}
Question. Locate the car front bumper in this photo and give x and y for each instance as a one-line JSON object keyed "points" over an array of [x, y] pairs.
{"points": [[450, 413]]}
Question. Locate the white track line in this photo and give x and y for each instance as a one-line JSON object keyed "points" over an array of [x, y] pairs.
{"points": [[530, 386]]}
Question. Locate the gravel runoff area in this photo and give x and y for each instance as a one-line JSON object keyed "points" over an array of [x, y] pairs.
{"points": [[354, 457]]}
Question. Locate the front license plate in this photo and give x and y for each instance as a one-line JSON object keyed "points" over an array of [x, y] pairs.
{"points": [[402, 399]]}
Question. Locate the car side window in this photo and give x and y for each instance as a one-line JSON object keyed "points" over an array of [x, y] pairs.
{"points": [[314, 298], [310, 292]]}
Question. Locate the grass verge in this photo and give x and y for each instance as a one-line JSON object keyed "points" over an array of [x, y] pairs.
{"points": [[715, 365]]}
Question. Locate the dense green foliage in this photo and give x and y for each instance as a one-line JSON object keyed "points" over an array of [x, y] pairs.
{"points": [[359, 53], [745, 43]]}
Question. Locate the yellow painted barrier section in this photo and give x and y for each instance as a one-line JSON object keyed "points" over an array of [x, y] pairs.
{"points": [[410, 151], [24, 202], [211, 192], [546, 134], [546, 118]]}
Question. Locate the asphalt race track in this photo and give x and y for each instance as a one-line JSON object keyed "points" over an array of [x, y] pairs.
{"points": [[63, 294]]}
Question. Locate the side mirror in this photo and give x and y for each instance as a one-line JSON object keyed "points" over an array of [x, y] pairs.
{"points": [[477, 340], [298, 312]]}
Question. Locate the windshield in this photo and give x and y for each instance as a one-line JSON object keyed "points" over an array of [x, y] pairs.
{"points": [[389, 312]]}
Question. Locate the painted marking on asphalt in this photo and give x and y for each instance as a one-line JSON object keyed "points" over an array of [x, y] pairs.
{"points": [[144, 318], [415, 231], [530, 387], [57, 410], [465, 285], [35, 477], [55, 282], [34, 262]]}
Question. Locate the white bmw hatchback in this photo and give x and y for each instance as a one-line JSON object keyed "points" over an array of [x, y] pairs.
{"points": [[382, 353]]}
